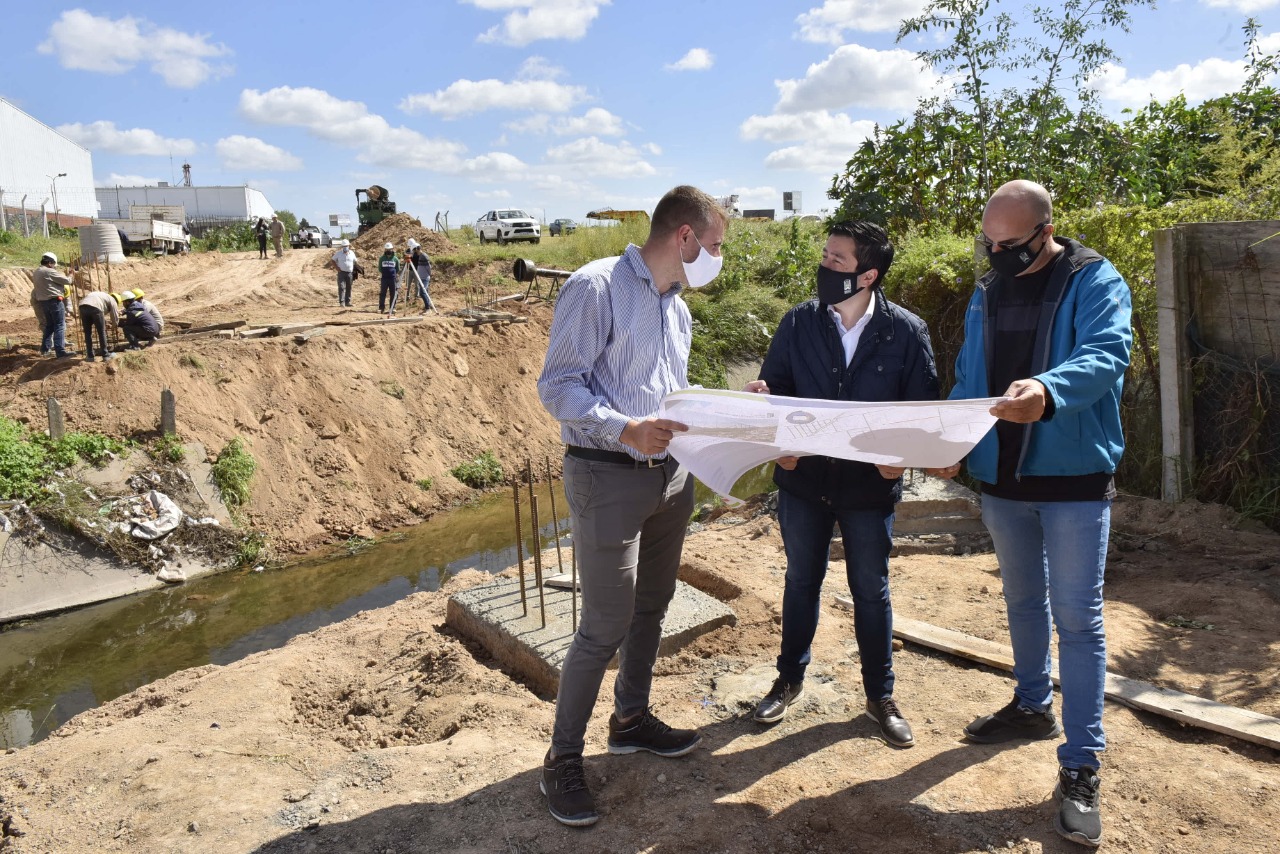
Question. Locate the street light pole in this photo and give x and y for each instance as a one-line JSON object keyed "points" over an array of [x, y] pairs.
{"points": [[53, 184]]}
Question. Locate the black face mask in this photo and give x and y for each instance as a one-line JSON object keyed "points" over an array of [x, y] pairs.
{"points": [[1015, 260], [835, 287]]}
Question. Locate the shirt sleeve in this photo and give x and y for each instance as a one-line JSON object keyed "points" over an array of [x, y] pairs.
{"points": [[579, 335]]}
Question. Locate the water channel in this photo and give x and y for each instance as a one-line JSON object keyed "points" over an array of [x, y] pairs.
{"points": [[57, 667]]}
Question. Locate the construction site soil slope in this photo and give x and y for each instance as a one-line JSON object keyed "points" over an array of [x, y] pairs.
{"points": [[347, 428]]}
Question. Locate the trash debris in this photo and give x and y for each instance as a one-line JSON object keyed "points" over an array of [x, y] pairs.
{"points": [[171, 574], [153, 516]]}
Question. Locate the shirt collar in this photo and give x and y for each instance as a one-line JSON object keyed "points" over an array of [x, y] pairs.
{"points": [[860, 322], [633, 257]]}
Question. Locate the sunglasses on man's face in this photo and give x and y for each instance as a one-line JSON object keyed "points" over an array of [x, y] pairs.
{"points": [[1006, 245]]}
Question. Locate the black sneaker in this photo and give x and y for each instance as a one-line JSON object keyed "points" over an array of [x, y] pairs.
{"points": [[1013, 721], [893, 726], [564, 782], [773, 707], [649, 733], [1079, 816]]}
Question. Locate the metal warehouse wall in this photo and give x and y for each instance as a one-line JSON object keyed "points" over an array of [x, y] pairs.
{"points": [[238, 203], [31, 151]]}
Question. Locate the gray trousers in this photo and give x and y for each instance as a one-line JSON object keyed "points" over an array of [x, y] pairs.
{"points": [[628, 532]]}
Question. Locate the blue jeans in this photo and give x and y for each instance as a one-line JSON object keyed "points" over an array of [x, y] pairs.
{"points": [[55, 326], [424, 292], [387, 294], [1052, 557], [807, 527]]}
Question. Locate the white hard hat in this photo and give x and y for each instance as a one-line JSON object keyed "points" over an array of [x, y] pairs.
{"points": [[49, 256], [128, 295], [389, 246], [413, 244]]}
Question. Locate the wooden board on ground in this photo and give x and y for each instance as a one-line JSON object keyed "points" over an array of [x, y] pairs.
{"points": [[382, 321], [212, 333], [260, 332], [477, 316], [1186, 708], [304, 337], [277, 331], [232, 324]]}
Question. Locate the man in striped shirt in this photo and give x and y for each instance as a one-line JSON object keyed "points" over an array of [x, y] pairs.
{"points": [[619, 344]]}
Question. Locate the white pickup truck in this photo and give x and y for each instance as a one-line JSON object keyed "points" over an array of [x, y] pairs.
{"points": [[162, 238], [507, 225]]}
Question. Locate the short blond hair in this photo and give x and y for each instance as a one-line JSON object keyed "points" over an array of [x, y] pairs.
{"points": [[685, 205]]}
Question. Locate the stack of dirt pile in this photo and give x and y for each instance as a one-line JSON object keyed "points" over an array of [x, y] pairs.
{"points": [[397, 229]]}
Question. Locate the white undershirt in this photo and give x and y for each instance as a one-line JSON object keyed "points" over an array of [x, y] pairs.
{"points": [[849, 337]]}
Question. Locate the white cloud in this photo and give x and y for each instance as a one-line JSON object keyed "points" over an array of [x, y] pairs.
{"points": [[350, 124], [1244, 7], [594, 122], [105, 138], [463, 97], [590, 156], [528, 21], [827, 23], [651, 148], [827, 140], [85, 42], [539, 68], [697, 59], [499, 195], [857, 76], [1206, 79], [250, 154], [118, 180], [1269, 43]]}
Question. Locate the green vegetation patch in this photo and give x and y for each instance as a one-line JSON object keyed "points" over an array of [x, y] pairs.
{"points": [[28, 460], [481, 473], [232, 472]]}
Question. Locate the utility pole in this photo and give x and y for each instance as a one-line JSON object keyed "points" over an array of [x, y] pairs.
{"points": [[53, 184]]}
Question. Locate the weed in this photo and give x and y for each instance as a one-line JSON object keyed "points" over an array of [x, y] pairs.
{"points": [[392, 388], [27, 461], [482, 472], [232, 472], [356, 545], [169, 448], [134, 361], [191, 360], [253, 550], [424, 484]]}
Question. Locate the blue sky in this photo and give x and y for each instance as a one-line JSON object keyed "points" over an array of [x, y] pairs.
{"points": [[555, 106]]}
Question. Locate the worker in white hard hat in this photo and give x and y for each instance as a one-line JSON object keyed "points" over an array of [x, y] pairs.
{"points": [[49, 295], [345, 262], [419, 267], [389, 267]]}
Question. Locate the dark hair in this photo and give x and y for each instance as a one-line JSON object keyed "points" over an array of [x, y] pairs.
{"points": [[685, 205], [871, 246]]}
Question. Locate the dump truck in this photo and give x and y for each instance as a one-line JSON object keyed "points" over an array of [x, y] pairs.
{"points": [[374, 208]]}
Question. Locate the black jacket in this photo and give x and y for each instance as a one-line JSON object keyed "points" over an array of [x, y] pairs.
{"points": [[893, 361]]}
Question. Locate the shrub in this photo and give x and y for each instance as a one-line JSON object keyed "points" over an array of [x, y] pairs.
{"points": [[482, 472], [27, 461], [232, 472], [169, 448], [424, 484], [392, 388]]}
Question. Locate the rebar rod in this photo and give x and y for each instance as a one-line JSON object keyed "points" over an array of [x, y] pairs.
{"points": [[537, 561], [515, 498]]}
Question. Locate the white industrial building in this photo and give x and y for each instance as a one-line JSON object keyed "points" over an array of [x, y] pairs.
{"points": [[44, 167], [202, 204]]}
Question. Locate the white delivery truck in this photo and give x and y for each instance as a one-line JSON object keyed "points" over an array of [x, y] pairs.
{"points": [[139, 235]]}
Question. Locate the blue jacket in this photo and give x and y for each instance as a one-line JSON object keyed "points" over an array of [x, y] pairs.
{"points": [[1081, 354], [893, 361]]}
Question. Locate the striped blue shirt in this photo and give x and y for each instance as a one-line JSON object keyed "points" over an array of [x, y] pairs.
{"points": [[617, 348]]}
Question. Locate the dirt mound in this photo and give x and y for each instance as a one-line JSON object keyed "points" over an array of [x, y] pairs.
{"points": [[397, 229]]}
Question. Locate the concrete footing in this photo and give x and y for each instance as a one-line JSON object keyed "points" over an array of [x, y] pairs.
{"points": [[935, 516], [492, 616]]}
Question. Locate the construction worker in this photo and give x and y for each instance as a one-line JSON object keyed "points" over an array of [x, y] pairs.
{"points": [[277, 235], [389, 266], [49, 294], [149, 306], [345, 262], [138, 324], [421, 265], [94, 309]]}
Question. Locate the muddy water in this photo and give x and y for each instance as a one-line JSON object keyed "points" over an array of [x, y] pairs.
{"points": [[55, 668]]}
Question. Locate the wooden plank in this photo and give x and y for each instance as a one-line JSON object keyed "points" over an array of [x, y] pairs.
{"points": [[233, 324], [304, 337], [212, 333], [386, 320], [277, 331], [260, 332], [1167, 702]]}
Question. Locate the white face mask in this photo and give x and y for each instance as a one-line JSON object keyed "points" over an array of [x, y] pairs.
{"points": [[701, 270]]}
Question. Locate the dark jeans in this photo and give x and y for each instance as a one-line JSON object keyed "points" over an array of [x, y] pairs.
{"points": [[344, 288], [807, 527], [262, 246], [387, 294], [91, 319], [55, 326], [136, 334]]}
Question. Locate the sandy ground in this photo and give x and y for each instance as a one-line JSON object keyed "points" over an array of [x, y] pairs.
{"points": [[389, 733]]}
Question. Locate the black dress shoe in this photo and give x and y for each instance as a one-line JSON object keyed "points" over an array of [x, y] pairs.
{"points": [[893, 726], [773, 707]]}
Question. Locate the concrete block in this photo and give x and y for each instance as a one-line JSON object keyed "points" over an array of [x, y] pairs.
{"points": [[939, 523], [929, 496], [491, 615]]}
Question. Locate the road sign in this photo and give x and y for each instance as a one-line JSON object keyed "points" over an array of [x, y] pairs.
{"points": [[340, 220]]}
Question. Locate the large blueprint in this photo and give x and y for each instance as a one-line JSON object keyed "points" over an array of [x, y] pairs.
{"points": [[732, 432]]}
